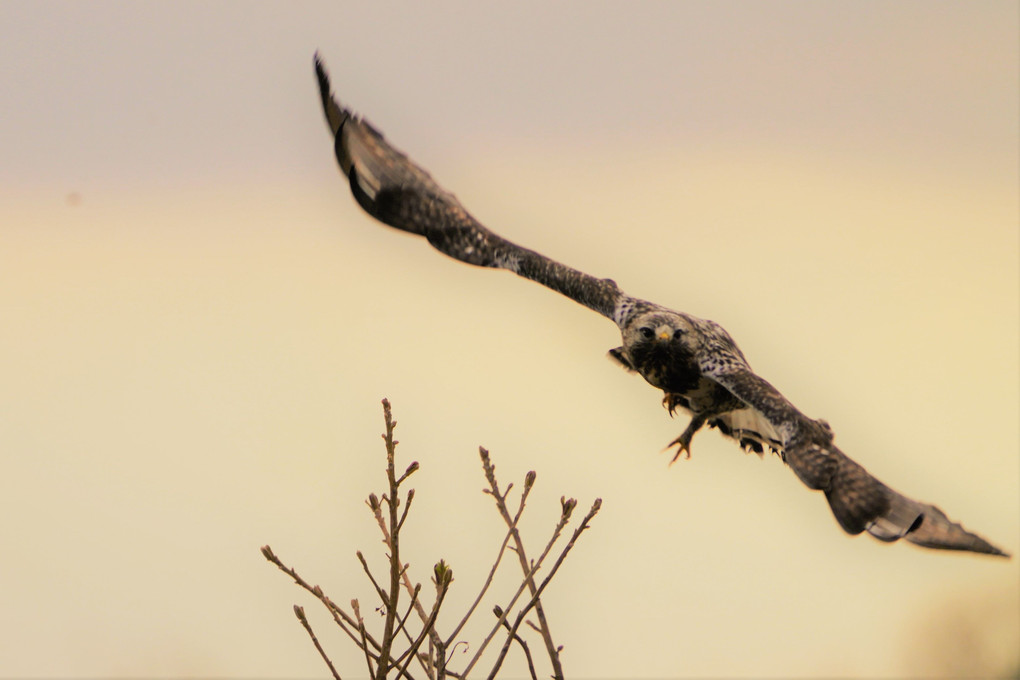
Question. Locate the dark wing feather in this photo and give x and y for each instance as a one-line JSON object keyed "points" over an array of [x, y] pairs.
{"points": [[397, 192], [859, 501]]}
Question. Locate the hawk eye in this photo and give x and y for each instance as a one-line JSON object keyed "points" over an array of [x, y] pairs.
{"points": [[646, 332], [677, 334]]}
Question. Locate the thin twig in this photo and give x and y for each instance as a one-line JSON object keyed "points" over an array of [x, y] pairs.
{"points": [[411, 469], [425, 663], [394, 542], [499, 623], [392, 531], [379, 654], [378, 590], [524, 645], [300, 613], [364, 633], [552, 572], [495, 565], [444, 576], [547, 635], [490, 475], [407, 507], [529, 569], [342, 618], [410, 608], [408, 586]]}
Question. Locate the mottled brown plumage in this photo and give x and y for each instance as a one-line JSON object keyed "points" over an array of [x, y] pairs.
{"points": [[693, 361]]}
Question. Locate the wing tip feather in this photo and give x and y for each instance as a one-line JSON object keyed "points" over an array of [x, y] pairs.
{"points": [[335, 114], [935, 530]]}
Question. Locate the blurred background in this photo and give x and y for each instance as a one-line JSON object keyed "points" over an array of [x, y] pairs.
{"points": [[197, 325]]}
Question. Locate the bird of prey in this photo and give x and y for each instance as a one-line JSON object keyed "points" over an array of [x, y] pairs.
{"points": [[695, 362]]}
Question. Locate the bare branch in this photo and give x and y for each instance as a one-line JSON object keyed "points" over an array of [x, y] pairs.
{"points": [[378, 589], [524, 645], [408, 586], [529, 480], [499, 623], [342, 618], [552, 572], [394, 543], [499, 558], [364, 635], [407, 507], [410, 608], [300, 613], [411, 469], [444, 576]]}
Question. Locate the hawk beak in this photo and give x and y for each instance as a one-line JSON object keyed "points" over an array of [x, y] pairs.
{"points": [[664, 335]]}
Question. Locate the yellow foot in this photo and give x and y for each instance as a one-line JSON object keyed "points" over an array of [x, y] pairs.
{"points": [[683, 448]]}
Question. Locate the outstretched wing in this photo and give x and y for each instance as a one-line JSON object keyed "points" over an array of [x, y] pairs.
{"points": [[397, 192], [394, 190], [859, 501]]}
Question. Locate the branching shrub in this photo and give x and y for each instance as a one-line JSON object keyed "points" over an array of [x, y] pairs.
{"points": [[409, 644]]}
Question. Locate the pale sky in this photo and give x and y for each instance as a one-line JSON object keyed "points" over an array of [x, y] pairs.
{"points": [[197, 324]]}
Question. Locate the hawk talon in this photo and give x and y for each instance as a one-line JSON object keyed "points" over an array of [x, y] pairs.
{"points": [[684, 440], [670, 401], [683, 447]]}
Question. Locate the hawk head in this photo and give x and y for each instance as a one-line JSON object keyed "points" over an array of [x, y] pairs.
{"points": [[660, 346]]}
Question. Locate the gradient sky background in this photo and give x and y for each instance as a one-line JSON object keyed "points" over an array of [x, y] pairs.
{"points": [[197, 324]]}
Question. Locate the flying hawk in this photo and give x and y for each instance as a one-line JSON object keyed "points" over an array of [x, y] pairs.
{"points": [[693, 361]]}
